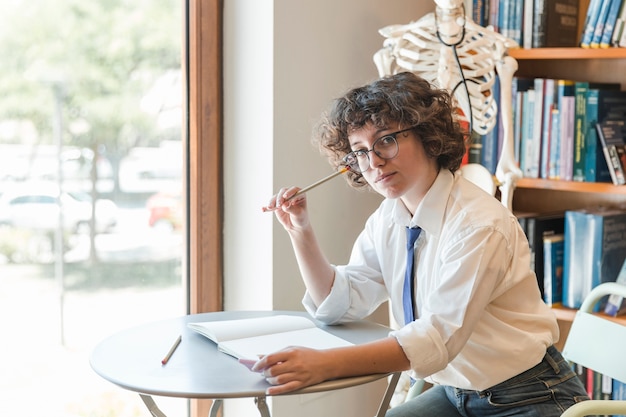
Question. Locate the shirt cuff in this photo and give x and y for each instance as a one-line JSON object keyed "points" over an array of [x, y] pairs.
{"points": [[328, 312], [423, 347]]}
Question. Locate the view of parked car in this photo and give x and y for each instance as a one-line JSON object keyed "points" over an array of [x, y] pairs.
{"points": [[165, 211], [36, 206]]}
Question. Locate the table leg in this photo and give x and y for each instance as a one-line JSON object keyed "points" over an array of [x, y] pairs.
{"points": [[261, 403], [152, 407], [215, 407], [384, 404]]}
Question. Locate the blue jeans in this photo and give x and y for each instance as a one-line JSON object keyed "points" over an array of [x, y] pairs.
{"points": [[545, 390]]}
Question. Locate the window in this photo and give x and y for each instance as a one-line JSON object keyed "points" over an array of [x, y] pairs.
{"points": [[91, 135]]}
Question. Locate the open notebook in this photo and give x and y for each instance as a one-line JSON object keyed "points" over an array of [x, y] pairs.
{"points": [[248, 338]]}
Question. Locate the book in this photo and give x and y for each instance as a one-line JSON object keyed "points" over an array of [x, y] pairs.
{"points": [[602, 104], [538, 227], [248, 338], [591, 19], [562, 127], [527, 23], [566, 153], [549, 104], [533, 156], [609, 25], [615, 304], [554, 23], [595, 249], [600, 22], [618, 30], [612, 142], [581, 121], [539, 23], [527, 139], [561, 20], [553, 247], [490, 143]]}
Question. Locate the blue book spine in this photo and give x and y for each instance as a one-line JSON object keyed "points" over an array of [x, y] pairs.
{"points": [[618, 392], [590, 22], [597, 32], [609, 25], [576, 259]]}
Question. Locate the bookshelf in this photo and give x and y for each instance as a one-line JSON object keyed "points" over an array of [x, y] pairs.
{"points": [[544, 196]]}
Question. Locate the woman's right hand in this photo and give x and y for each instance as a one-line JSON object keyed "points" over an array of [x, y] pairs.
{"points": [[290, 209]]}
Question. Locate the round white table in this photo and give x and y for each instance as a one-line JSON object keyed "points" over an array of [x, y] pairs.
{"points": [[132, 358]]}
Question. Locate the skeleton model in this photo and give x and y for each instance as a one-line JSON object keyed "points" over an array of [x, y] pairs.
{"points": [[454, 53]]}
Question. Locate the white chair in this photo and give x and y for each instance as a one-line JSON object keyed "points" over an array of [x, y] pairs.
{"points": [[599, 344]]}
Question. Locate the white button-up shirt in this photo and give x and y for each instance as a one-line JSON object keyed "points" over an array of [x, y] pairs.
{"points": [[479, 315]]}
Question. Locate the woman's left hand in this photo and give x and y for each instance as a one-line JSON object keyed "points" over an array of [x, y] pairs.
{"points": [[292, 368]]}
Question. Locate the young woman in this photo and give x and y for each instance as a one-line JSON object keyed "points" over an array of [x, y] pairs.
{"points": [[475, 325]]}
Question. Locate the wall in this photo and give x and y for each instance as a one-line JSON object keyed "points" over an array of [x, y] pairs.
{"points": [[284, 61]]}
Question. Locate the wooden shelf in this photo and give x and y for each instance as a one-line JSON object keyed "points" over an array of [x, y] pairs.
{"points": [[572, 186], [567, 315], [567, 53]]}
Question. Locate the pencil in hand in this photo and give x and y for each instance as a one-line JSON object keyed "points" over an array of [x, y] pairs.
{"points": [[310, 187]]}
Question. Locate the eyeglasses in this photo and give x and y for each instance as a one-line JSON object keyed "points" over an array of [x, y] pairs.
{"points": [[385, 147]]}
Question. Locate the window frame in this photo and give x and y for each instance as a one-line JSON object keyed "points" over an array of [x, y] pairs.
{"points": [[203, 125], [204, 180]]}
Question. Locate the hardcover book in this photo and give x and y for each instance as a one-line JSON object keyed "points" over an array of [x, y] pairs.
{"points": [[553, 248], [555, 23], [537, 227], [610, 134], [581, 89], [602, 104], [595, 249]]}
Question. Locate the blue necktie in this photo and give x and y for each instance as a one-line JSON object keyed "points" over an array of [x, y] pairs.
{"points": [[407, 289]]}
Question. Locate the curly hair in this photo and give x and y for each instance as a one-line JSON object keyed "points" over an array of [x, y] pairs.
{"points": [[403, 99]]}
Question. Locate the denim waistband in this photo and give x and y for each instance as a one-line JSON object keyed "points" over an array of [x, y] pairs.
{"points": [[552, 361]]}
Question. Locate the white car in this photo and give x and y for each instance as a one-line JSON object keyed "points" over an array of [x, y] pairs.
{"points": [[36, 206]]}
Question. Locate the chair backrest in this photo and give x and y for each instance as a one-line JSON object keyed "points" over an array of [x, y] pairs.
{"points": [[596, 342]]}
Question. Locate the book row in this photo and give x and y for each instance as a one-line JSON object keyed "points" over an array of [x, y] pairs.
{"points": [[558, 131], [599, 386], [553, 23], [575, 251], [555, 131]]}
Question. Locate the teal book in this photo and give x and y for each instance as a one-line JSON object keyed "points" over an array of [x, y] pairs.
{"points": [[581, 124], [595, 249]]}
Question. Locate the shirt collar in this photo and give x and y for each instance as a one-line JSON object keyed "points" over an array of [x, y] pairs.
{"points": [[430, 212]]}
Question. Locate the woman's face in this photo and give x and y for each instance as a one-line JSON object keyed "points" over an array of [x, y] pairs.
{"points": [[407, 176]]}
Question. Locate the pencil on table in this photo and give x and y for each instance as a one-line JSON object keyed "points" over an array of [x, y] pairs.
{"points": [[172, 349]]}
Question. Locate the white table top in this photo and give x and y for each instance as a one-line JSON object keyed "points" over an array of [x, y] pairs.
{"points": [[132, 358]]}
